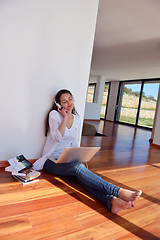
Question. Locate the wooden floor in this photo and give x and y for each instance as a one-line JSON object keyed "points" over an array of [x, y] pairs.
{"points": [[56, 208]]}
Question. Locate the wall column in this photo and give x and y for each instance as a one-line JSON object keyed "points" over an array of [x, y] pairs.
{"points": [[112, 101], [156, 126], [93, 110]]}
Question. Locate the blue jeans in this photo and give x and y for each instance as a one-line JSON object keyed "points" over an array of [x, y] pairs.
{"points": [[97, 186]]}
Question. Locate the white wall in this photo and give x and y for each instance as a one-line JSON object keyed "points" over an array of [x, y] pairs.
{"points": [[93, 79], [45, 45]]}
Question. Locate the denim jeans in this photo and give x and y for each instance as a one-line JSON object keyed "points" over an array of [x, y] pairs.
{"points": [[97, 186]]}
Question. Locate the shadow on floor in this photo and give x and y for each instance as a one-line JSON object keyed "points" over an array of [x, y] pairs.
{"points": [[75, 190]]}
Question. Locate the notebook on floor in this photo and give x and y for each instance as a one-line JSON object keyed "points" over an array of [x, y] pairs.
{"points": [[82, 154]]}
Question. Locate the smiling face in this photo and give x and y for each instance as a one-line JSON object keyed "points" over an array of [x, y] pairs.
{"points": [[67, 102]]}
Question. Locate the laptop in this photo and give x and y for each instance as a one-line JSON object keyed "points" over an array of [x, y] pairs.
{"points": [[82, 154]]}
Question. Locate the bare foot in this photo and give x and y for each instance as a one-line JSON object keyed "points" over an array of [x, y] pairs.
{"points": [[128, 195], [119, 204]]}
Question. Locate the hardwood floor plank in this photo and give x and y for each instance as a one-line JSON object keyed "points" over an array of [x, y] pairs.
{"points": [[58, 213], [88, 220], [129, 236], [131, 173], [14, 224], [108, 230], [154, 228], [34, 205], [55, 229], [151, 232], [30, 193]]}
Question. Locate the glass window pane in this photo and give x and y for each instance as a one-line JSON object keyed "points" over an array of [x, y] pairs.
{"points": [[130, 101], [148, 104], [91, 93], [104, 101]]}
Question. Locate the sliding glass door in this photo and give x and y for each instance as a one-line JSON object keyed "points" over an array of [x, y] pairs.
{"points": [[137, 102]]}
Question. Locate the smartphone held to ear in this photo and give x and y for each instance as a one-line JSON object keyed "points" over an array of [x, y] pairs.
{"points": [[58, 105]]}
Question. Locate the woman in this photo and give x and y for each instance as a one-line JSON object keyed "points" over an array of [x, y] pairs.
{"points": [[63, 130]]}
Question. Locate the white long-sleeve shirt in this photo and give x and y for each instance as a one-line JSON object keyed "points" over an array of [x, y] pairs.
{"points": [[55, 143]]}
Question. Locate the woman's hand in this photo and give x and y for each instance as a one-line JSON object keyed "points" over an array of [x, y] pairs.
{"points": [[63, 112], [62, 127]]}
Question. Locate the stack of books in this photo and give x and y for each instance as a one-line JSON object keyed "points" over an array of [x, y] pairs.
{"points": [[21, 169]]}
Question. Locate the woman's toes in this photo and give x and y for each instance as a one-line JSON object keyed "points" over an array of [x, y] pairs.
{"points": [[128, 195], [119, 205], [137, 194]]}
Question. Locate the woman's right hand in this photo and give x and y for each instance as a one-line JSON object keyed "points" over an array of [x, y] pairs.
{"points": [[62, 127], [63, 112]]}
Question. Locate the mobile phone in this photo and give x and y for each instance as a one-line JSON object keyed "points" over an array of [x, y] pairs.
{"points": [[58, 105]]}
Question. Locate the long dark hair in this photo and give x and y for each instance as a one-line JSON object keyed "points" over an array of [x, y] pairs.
{"points": [[54, 107]]}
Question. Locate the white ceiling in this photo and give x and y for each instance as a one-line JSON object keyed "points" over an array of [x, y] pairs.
{"points": [[127, 40]]}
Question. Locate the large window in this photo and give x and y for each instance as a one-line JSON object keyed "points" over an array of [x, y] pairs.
{"points": [[137, 102], [105, 101], [91, 92]]}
